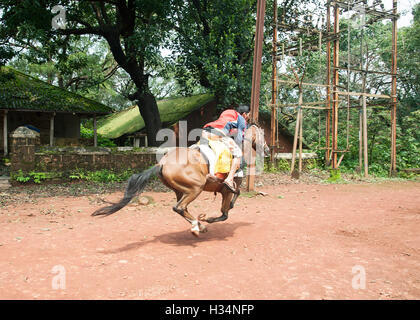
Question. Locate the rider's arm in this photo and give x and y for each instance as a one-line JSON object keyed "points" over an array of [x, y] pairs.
{"points": [[241, 124]]}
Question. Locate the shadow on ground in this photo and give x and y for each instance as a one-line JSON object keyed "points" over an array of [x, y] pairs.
{"points": [[217, 232]]}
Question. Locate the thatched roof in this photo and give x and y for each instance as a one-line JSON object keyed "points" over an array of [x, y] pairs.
{"points": [[171, 111], [19, 91]]}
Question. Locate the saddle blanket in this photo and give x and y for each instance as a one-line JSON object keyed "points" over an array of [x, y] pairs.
{"points": [[219, 157]]}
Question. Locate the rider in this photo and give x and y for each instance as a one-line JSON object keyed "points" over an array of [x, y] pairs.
{"points": [[230, 123]]}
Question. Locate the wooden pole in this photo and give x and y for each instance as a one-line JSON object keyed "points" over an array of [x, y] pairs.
{"points": [[336, 56], [52, 129], [256, 81], [393, 167], [5, 130], [256, 69], [365, 138], [292, 166], [95, 133], [300, 140], [328, 83], [274, 87], [360, 140]]}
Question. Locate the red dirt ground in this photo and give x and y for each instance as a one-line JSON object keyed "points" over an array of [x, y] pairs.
{"points": [[301, 241]]}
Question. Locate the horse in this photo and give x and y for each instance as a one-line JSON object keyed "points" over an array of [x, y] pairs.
{"points": [[185, 171]]}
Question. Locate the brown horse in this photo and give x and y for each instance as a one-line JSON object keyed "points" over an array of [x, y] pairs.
{"points": [[185, 171]]}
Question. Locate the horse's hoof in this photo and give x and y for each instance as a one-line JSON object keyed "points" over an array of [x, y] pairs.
{"points": [[195, 229], [195, 232], [203, 230]]}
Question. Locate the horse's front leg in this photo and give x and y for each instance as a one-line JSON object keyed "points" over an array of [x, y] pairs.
{"points": [[226, 206], [238, 182]]}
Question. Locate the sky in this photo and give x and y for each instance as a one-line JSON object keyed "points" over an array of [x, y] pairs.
{"points": [[404, 8]]}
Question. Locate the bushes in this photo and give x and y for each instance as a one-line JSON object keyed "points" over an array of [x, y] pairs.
{"points": [[87, 133], [33, 176], [102, 176]]}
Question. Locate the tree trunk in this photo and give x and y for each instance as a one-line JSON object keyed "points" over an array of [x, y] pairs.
{"points": [[149, 111]]}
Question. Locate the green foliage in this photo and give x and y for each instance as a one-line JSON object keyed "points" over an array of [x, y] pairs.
{"points": [[335, 176], [103, 175], [33, 176], [280, 165], [102, 142], [21, 177], [408, 144]]}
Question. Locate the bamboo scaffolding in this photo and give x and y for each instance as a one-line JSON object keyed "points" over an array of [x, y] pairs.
{"points": [[315, 39]]}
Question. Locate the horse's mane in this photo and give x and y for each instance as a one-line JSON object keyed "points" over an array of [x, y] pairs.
{"points": [[253, 122]]}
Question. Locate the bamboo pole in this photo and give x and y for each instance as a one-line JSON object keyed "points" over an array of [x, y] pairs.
{"points": [[328, 86], [393, 166], [274, 88], [300, 140], [292, 166], [365, 142], [336, 58], [5, 130], [361, 139]]}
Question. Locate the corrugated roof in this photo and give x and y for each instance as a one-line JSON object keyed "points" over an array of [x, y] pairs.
{"points": [[19, 91]]}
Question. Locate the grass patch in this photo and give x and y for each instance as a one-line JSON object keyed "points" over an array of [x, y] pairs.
{"points": [[249, 194]]}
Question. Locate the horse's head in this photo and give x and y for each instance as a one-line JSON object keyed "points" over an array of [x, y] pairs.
{"points": [[255, 135]]}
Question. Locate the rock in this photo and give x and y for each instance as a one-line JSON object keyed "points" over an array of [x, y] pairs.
{"points": [[4, 183], [144, 201]]}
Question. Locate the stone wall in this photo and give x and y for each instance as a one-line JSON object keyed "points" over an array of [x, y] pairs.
{"points": [[27, 155], [93, 159]]}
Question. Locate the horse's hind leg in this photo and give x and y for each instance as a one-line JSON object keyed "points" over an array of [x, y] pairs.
{"points": [[184, 199]]}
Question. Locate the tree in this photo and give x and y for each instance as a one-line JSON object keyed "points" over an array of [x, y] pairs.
{"points": [[214, 44], [133, 29], [409, 65]]}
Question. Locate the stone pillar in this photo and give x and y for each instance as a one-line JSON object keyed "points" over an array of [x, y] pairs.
{"points": [[23, 142]]}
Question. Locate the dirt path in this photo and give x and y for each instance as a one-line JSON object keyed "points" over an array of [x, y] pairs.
{"points": [[300, 241]]}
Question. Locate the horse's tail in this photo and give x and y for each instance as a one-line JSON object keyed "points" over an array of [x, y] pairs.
{"points": [[136, 184]]}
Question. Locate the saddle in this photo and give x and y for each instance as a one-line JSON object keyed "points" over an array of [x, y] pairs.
{"points": [[218, 157]]}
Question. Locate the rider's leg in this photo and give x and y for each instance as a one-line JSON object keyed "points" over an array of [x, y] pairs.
{"points": [[236, 162], [204, 140]]}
